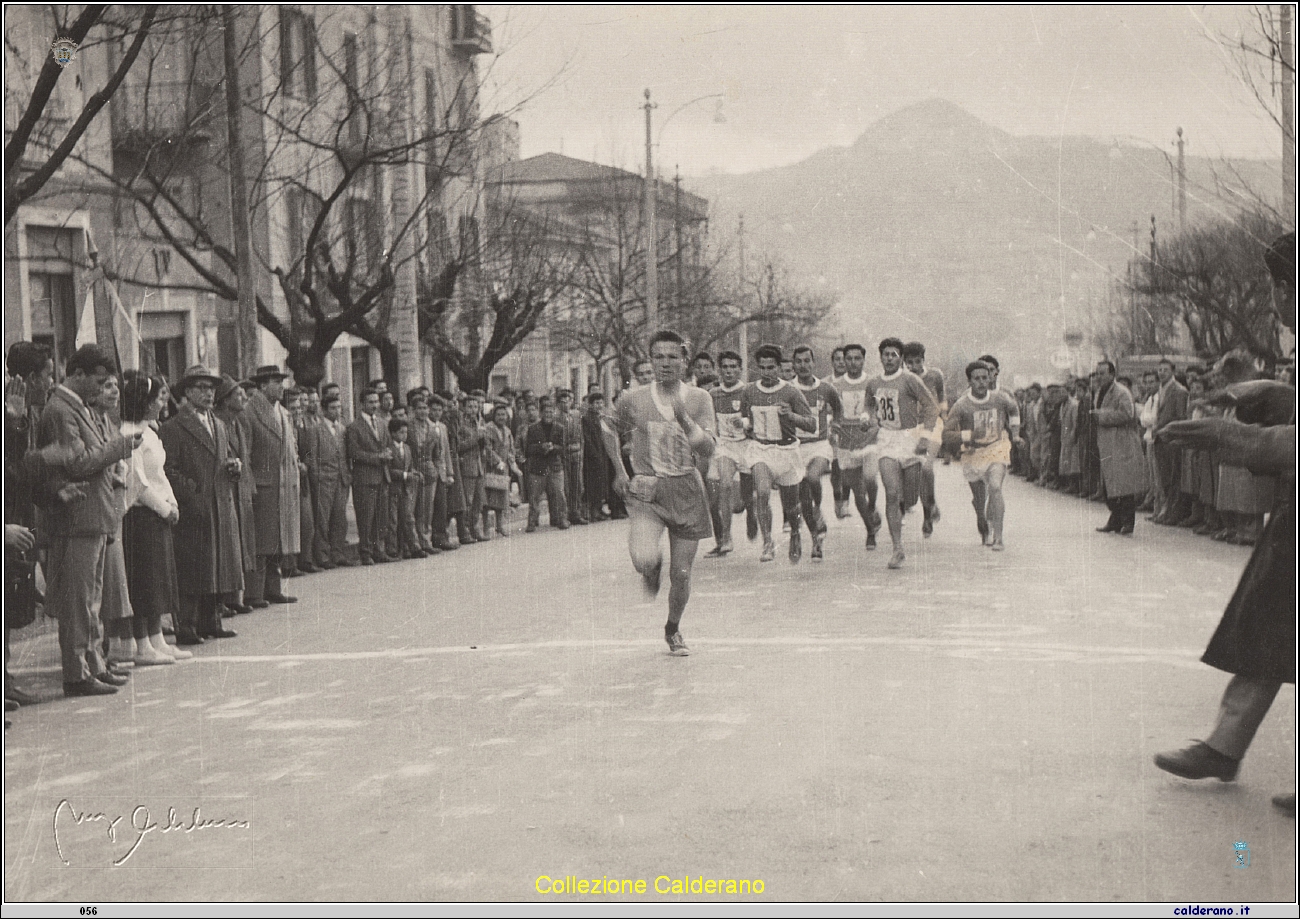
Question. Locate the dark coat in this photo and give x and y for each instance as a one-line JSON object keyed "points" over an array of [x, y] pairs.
{"points": [[239, 438], [209, 555], [1256, 636], [91, 453], [455, 490], [364, 451]]}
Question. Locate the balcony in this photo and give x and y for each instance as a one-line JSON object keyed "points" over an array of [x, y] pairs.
{"points": [[146, 115], [471, 31]]}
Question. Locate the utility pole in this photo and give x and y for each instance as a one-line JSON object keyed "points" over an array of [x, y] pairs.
{"points": [[1288, 114], [744, 298], [249, 353], [651, 239], [677, 231], [1132, 294], [1182, 185]]}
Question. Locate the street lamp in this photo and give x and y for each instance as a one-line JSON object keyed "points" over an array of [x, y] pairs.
{"points": [[651, 199]]}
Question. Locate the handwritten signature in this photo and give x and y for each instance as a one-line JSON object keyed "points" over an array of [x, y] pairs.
{"points": [[141, 823]]}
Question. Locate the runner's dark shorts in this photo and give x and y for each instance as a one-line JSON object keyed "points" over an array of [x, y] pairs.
{"points": [[681, 504]]}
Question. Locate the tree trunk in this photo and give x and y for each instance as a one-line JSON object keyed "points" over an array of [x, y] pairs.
{"points": [[308, 365], [388, 359], [476, 377]]}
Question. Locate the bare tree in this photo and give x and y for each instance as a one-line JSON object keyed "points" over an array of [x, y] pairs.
{"points": [[478, 304], [334, 159], [35, 147]]}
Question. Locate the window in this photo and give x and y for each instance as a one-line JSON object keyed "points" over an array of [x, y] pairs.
{"points": [[438, 240], [297, 54], [361, 233], [352, 79], [162, 344], [297, 232], [54, 313], [430, 101]]}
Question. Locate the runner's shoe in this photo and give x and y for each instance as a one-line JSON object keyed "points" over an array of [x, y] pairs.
{"points": [[927, 527], [934, 513], [715, 552], [796, 547], [996, 545], [818, 540], [983, 526], [897, 560], [871, 541], [726, 546], [874, 524], [677, 645], [841, 509], [769, 551]]}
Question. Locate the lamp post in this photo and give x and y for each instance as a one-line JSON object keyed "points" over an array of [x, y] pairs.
{"points": [[651, 202]]}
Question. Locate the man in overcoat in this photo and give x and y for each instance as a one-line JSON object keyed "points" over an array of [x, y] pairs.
{"points": [[1255, 640], [1171, 406], [368, 452], [231, 400], [325, 446], [79, 530], [276, 470], [1123, 464], [204, 474]]}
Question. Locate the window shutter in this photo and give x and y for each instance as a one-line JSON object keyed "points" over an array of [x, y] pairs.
{"points": [[286, 52], [309, 55]]}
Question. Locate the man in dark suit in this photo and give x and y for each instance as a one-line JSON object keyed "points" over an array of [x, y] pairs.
{"points": [[325, 446], [274, 457], [1171, 406], [368, 455], [204, 472], [81, 450]]}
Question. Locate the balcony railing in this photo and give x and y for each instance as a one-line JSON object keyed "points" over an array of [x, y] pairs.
{"points": [[471, 31], [146, 114]]}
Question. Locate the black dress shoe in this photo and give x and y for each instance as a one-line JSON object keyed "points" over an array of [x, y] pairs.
{"points": [[345, 563], [307, 568], [90, 687], [1108, 528], [326, 566], [1199, 761], [281, 598], [239, 608], [110, 678], [222, 632], [11, 705], [1285, 803], [367, 562], [14, 694], [194, 639], [258, 604], [1126, 530]]}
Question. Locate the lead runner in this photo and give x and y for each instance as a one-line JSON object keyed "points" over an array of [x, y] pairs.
{"points": [[672, 428]]}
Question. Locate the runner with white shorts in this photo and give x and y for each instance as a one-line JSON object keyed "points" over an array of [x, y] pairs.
{"points": [[815, 446], [907, 415], [772, 411], [979, 424], [855, 432], [731, 456], [914, 360]]}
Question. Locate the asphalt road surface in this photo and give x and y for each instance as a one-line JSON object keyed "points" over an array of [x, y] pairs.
{"points": [[973, 727]]}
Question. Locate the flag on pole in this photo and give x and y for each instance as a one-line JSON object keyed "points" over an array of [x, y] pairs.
{"points": [[86, 324]]}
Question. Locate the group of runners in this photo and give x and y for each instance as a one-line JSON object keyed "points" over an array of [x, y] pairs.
{"points": [[786, 431]]}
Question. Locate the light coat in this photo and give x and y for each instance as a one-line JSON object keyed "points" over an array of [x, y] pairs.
{"points": [[274, 455], [1119, 441]]}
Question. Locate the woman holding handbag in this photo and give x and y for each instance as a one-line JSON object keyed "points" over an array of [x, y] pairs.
{"points": [[499, 460]]}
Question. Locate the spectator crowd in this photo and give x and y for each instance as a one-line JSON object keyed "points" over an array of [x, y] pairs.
{"points": [[154, 516], [1098, 437]]}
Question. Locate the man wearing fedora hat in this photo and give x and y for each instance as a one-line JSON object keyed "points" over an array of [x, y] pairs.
{"points": [[274, 456], [230, 403], [203, 472]]}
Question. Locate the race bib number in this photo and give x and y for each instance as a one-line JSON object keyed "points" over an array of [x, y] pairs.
{"points": [[887, 411], [987, 426], [855, 403], [819, 412], [731, 426], [670, 451], [767, 422]]}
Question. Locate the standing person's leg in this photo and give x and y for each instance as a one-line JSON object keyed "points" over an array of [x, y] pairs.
{"points": [[762, 498], [1245, 703], [643, 535], [810, 495], [536, 490], [363, 504], [997, 507], [338, 525], [929, 506], [573, 490], [410, 535], [322, 505], [1129, 513], [838, 492], [73, 590], [791, 515], [747, 492], [385, 530], [556, 500], [441, 517], [891, 477]]}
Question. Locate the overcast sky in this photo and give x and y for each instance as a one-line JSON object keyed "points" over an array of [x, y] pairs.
{"points": [[797, 79]]}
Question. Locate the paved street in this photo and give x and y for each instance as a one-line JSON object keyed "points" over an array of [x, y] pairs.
{"points": [[975, 726]]}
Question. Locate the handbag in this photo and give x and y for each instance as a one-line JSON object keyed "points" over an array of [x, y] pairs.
{"points": [[20, 591], [496, 481]]}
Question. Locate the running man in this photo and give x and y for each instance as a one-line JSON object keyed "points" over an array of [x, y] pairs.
{"points": [[914, 360], [838, 491], [855, 434], [773, 410], [671, 426], [730, 455], [978, 425], [906, 414], [815, 446]]}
